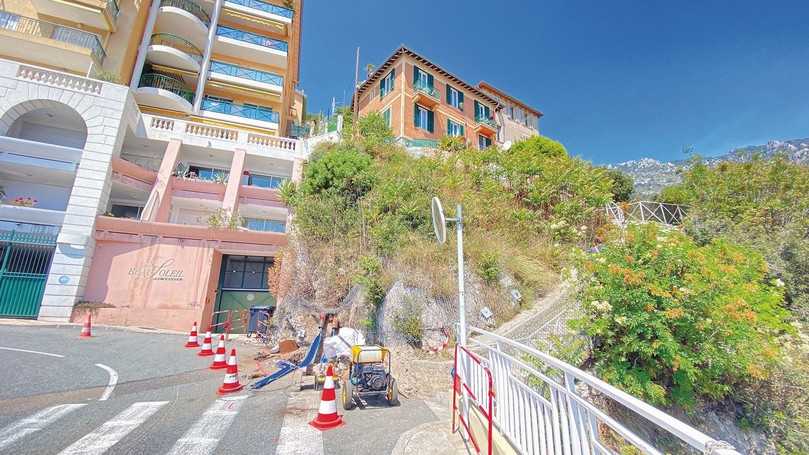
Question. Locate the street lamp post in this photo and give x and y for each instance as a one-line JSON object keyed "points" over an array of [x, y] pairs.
{"points": [[440, 228]]}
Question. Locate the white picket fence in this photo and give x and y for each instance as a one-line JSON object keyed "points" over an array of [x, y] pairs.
{"points": [[540, 404]]}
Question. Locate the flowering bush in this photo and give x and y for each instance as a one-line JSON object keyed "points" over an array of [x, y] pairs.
{"points": [[24, 201], [672, 320]]}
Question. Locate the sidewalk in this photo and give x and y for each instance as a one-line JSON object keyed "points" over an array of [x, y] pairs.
{"points": [[434, 437]]}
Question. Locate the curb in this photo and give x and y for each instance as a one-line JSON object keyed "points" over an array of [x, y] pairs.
{"points": [[35, 323]]}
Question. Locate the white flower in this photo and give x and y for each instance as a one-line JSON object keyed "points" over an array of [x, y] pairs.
{"points": [[778, 283], [602, 306], [602, 260], [621, 320]]}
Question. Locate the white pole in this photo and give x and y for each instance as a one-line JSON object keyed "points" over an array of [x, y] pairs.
{"points": [[461, 303]]}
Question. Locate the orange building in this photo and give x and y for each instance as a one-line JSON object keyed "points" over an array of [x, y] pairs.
{"points": [[422, 102]]}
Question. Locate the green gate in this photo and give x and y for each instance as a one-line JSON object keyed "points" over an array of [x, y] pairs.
{"points": [[242, 284], [26, 251]]}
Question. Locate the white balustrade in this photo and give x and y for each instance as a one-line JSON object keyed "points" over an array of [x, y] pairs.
{"points": [[59, 79]]}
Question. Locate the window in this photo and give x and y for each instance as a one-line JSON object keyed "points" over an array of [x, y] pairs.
{"points": [[423, 118], [208, 173], [265, 181], [421, 78], [259, 224], [454, 128], [245, 272], [481, 111], [386, 84], [484, 142], [126, 211], [454, 98], [386, 116]]}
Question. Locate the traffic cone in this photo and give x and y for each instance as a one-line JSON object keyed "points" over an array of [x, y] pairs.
{"points": [[206, 345], [327, 417], [231, 383], [193, 339], [86, 328], [219, 359]]}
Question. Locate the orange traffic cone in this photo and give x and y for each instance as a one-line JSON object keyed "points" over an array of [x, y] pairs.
{"points": [[327, 417], [206, 345], [193, 339], [86, 328], [231, 383], [219, 359]]}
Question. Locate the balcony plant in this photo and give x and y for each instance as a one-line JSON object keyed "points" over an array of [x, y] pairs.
{"points": [[24, 201]]}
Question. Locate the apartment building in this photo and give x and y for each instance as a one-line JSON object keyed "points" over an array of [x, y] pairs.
{"points": [[142, 145], [422, 102], [516, 119]]}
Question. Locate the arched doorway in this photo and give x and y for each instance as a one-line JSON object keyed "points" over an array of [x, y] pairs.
{"points": [[56, 123]]}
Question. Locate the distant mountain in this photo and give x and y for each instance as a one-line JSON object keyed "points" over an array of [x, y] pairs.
{"points": [[652, 175]]}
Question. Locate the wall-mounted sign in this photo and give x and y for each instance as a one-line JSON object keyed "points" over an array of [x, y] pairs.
{"points": [[164, 271]]}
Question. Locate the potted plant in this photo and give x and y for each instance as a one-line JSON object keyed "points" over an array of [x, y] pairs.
{"points": [[24, 201]]}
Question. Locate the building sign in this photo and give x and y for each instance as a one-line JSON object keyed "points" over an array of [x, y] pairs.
{"points": [[164, 271]]}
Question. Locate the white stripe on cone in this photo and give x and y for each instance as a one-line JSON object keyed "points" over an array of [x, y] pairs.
{"points": [[328, 407]]}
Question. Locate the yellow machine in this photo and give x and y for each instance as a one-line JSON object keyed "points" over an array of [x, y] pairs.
{"points": [[369, 375]]}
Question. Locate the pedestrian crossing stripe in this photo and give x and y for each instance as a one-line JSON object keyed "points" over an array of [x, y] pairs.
{"points": [[112, 431], [34, 423]]}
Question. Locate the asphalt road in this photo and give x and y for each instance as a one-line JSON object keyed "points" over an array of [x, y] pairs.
{"points": [[56, 397]]}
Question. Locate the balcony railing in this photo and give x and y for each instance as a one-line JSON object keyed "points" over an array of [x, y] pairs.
{"points": [[252, 112], [112, 7], [420, 143], [482, 119], [246, 73], [167, 39], [168, 83], [266, 7], [252, 38], [427, 89], [36, 27], [189, 6]]}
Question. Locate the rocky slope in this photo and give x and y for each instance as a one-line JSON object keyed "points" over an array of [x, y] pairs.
{"points": [[652, 175]]}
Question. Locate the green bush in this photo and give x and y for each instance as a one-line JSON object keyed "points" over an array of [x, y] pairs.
{"points": [[489, 268], [407, 322], [342, 171], [623, 185], [672, 320]]}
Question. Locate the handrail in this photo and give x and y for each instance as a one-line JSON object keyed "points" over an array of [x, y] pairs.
{"points": [[485, 120], [69, 35], [460, 386], [251, 112], [681, 430], [178, 43], [191, 7], [645, 211], [427, 89], [266, 7], [252, 38], [168, 83], [246, 73]]}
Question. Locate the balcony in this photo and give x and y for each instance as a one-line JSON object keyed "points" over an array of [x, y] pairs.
{"points": [[28, 39], [166, 92], [234, 74], [251, 47], [100, 14], [426, 95], [263, 9], [170, 50], [485, 124], [240, 113], [184, 17]]}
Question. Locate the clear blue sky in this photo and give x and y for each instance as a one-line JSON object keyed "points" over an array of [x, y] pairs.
{"points": [[616, 79]]}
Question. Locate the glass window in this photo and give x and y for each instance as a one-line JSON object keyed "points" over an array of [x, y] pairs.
{"points": [[254, 273], [423, 118], [481, 111], [234, 272], [484, 142], [208, 173], [422, 78], [126, 211], [265, 181], [246, 272], [454, 98], [259, 224], [386, 116], [454, 128], [386, 84]]}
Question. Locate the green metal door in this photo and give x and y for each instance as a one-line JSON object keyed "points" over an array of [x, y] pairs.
{"points": [[243, 284], [25, 257]]}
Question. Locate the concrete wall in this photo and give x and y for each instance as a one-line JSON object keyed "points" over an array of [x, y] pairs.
{"points": [[49, 197]]}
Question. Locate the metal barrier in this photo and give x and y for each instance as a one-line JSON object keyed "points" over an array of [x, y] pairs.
{"points": [[226, 326], [472, 381], [540, 409]]}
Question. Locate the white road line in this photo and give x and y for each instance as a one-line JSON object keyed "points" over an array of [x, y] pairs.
{"points": [[204, 436], [297, 436], [34, 423], [32, 352], [111, 385], [112, 431]]}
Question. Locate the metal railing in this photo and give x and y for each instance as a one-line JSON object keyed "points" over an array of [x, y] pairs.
{"points": [[266, 7], [189, 6], [252, 112], [112, 7], [645, 212], [168, 83], [174, 41], [246, 73], [472, 380], [423, 143], [482, 119], [540, 406], [252, 38], [426, 89], [36, 27]]}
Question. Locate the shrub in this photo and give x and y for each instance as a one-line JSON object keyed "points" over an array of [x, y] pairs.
{"points": [[489, 268], [623, 185], [407, 322], [672, 320], [342, 171]]}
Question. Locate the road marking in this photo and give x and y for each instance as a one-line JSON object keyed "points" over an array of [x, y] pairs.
{"points": [[32, 352], [112, 431], [297, 436], [34, 423], [204, 436], [111, 385]]}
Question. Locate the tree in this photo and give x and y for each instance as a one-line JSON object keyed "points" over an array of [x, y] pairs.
{"points": [[623, 185]]}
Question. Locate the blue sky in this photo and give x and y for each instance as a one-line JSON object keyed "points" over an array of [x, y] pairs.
{"points": [[617, 79]]}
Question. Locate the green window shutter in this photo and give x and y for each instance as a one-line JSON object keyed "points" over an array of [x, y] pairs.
{"points": [[449, 127], [462, 131], [430, 81], [477, 108], [415, 74], [416, 115], [460, 100], [382, 88], [430, 121], [448, 90]]}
